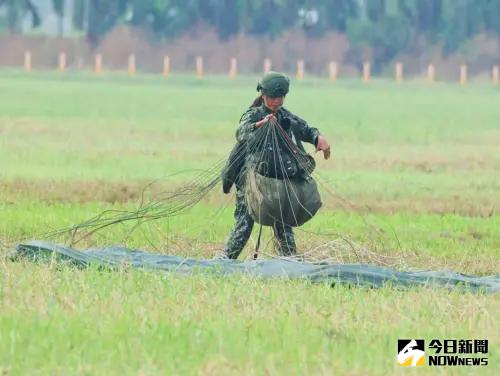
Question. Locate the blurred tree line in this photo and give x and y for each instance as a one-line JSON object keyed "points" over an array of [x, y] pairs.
{"points": [[388, 26]]}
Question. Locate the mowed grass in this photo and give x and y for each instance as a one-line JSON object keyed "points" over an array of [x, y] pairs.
{"points": [[414, 176], [64, 321]]}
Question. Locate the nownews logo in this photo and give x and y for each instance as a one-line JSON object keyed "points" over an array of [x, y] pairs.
{"points": [[411, 352], [448, 352]]}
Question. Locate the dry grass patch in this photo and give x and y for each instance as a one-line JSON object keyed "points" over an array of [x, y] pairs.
{"points": [[114, 192]]}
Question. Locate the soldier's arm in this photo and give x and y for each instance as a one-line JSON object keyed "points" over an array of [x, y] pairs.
{"points": [[303, 131], [247, 125]]}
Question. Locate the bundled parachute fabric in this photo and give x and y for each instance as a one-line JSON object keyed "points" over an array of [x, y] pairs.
{"points": [[233, 166], [291, 201], [279, 187], [351, 274]]}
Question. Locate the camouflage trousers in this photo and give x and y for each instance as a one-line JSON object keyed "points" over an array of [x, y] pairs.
{"points": [[243, 228]]}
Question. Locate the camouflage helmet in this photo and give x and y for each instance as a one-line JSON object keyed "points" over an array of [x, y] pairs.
{"points": [[274, 84]]}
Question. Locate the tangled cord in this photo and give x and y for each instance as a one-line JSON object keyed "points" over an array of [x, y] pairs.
{"points": [[168, 204]]}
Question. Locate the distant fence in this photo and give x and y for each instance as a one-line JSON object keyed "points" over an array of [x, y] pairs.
{"points": [[300, 73]]}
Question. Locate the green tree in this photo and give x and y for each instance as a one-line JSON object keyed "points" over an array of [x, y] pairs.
{"points": [[226, 16], [59, 7], [165, 18], [80, 8], [338, 12], [490, 14], [103, 15], [389, 27], [424, 16], [17, 10]]}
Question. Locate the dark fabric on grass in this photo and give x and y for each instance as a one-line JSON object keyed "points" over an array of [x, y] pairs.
{"points": [[352, 274]]}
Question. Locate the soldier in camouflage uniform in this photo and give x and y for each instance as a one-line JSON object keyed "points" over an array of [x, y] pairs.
{"points": [[273, 87]]}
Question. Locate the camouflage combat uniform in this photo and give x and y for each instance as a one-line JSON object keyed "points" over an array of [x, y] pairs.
{"points": [[298, 130]]}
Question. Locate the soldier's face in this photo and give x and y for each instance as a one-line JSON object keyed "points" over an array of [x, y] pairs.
{"points": [[273, 104]]}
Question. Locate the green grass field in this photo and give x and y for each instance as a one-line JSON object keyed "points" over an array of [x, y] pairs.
{"points": [[414, 177]]}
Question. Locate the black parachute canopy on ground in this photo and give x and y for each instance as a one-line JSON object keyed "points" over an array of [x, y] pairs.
{"points": [[352, 274]]}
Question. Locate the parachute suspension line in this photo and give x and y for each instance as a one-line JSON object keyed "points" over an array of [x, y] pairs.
{"points": [[165, 205], [257, 246], [295, 152], [168, 204], [282, 166], [287, 180], [303, 161], [284, 136], [322, 181], [275, 149]]}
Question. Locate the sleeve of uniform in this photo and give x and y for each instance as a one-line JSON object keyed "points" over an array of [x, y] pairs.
{"points": [[304, 132], [247, 125]]}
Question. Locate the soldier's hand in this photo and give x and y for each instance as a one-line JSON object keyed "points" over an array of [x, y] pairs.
{"points": [[260, 123], [323, 145]]}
